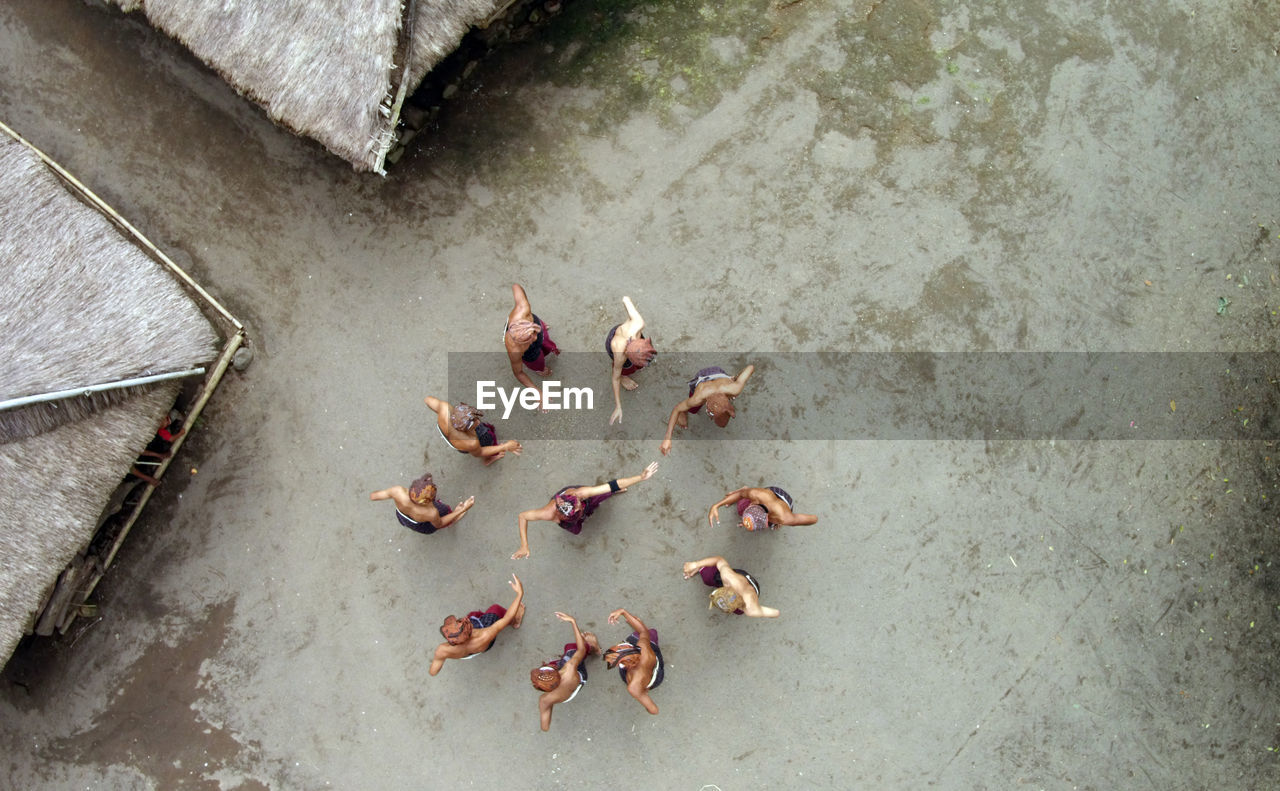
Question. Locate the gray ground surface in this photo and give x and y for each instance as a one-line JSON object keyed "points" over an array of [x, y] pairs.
{"points": [[902, 175]]}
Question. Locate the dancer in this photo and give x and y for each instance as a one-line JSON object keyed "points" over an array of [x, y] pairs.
{"points": [[527, 340], [716, 389], [736, 591], [760, 508], [418, 509], [638, 659], [628, 351], [571, 506], [561, 679], [474, 634], [461, 428]]}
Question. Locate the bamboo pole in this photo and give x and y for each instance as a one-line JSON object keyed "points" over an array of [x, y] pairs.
{"points": [[224, 360]]}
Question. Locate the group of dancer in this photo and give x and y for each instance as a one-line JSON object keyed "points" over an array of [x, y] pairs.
{"points": [[638, 658]]}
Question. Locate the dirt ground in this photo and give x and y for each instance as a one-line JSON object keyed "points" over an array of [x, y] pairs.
{"points": [[760, 177]]}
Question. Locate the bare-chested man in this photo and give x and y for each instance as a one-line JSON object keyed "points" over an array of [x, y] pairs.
{"points": [[638, 659], [571, 506], [760, 508], [461, 428], [527, 340], [736, 591], [560, 680], [713, 388], [418, 509], [474, 634], [628, 351]]}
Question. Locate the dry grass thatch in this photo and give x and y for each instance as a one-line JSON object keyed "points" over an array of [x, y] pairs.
{"points": [[53, 487], [332, 70], [80, 303]]}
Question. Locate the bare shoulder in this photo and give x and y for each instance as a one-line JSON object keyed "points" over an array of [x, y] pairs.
{"points": [[461, 440], [481, 639], [450, 651]]}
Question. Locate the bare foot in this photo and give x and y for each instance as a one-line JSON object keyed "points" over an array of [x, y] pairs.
{"points": [[494, 458], [519, 619], [546, 372], [593, 644], [629, 383], [683, 420]]}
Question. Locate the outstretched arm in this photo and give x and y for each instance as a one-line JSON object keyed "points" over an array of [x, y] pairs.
{"points": [[544, 514], [757, 610], [623, 483], [790, 518], [437, 660], [514, 609], [580, 652], [441, 408], [390, 493], [694, 566], [501, 448], [521, 300], [642, 631], [634, 322], [457, 513], [676, 412], [713, 515], [615, 381], [517, 367], [485, 637], [740, 380], [643, 697]]}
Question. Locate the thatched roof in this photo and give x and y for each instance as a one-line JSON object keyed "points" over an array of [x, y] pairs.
{"points": [[53, 488], [80, 304], [333, 70]]}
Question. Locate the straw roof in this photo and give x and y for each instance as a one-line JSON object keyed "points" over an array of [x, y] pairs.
{"points": [[333, 70], [80, 304], [53, 488]]}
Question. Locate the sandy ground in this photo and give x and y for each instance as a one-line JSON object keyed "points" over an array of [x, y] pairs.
{"points": [[802, 177]]}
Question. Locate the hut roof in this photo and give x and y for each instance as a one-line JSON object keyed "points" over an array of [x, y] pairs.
{"points": [[80, 304], [333, 70]]}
